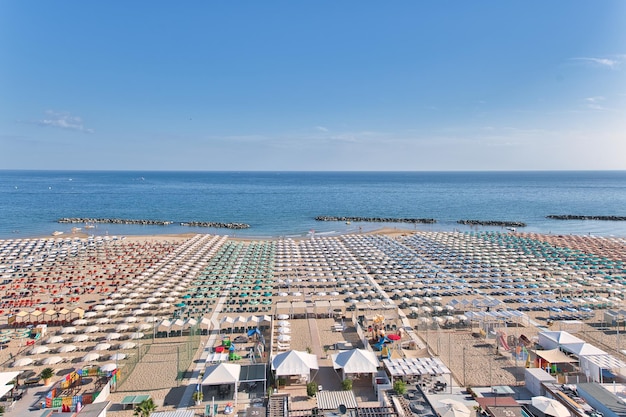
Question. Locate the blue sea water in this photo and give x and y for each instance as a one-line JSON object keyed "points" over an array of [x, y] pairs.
{"points": [[285, 203]]}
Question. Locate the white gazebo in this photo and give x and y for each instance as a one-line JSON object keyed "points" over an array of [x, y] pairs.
{"points": [[222, 374], [355, 361], [294, 363]]}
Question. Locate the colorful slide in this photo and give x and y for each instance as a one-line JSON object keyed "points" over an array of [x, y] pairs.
{"points": [[381, 342], [502, 341]]}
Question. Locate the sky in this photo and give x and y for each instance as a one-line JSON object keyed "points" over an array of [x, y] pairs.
{"points": [[312, 86]]}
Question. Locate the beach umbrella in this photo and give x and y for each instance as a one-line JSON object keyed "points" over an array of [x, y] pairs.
{"points": [[68, 330], [550, 407], [122, 327], [90, 314], [136, 335], [54, 339], [102, 346], [52, 360], [127, 345], [144, 326], [66, 349], [130, 319], [79, 322], [283, 316], [284, 338], [284, 323], [284, 330], [453, 408], [80, 338], [91, 329], [109, 367], [103, 320], [22, 362], [90, 357], [113, 336], [37, 350], [117, 357]]}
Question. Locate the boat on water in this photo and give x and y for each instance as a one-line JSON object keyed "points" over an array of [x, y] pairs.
{"points": [[89, 226], [56, 233]]}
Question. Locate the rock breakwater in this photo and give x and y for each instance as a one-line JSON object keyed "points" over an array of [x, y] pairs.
{"points": [[373, 219], [145, 222], [491, 223], [576, 217]]}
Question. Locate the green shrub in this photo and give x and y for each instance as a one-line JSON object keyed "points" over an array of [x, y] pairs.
{"points": [[346, 385], [311, 389], [400, 387]]}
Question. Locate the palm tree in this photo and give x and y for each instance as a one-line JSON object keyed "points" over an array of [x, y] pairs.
{"points": [[145, 408]]}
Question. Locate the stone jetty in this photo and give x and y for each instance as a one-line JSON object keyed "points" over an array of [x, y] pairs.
{"points": [[576, 217], [152, 222], [492, 223], [373, 219], [217, 225]]}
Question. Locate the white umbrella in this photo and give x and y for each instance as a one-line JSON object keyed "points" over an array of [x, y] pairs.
{"points": [[102, 346], [90, 314], [118, 356], [54, 339], [91, 329], [66, 349], [52, 360], [90, 357], [144, 326], [138, 312], [80, 338], [122, 327], [130, 319], [113, 336], [284, 323], [284, 330], [79, 322], [550, 407], [453, 408], [68, 330], [109, 367], [284, 338], [38, 350], [136, 335], [22, 362], [127, 345], [283, 316]]}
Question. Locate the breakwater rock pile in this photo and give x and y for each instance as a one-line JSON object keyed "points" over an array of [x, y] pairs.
{"points": [[152, 222], [575, 217], [217, 225], [492, 223], [373, 219]]}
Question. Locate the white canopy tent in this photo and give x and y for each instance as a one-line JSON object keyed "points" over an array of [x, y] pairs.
{"points": [[355, 361], [293, 363], [5, 378], [222, 374]]}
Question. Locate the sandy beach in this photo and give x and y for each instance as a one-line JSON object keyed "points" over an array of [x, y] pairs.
{"points": [[117, 290]]}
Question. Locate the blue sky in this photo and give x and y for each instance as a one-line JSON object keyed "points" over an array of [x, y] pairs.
{"points": [[327, 85]]}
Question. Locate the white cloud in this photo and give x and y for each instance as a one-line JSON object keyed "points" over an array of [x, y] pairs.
{"points": [[595, 102], [321, 128], [602, 62], [63, 120]]}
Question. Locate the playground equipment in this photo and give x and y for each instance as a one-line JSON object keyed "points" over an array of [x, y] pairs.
{"points": [[381, 342], [232, 356], [501, 340]]}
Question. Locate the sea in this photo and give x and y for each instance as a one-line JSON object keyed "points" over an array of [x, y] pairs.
{"points": [[285, 204]]}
